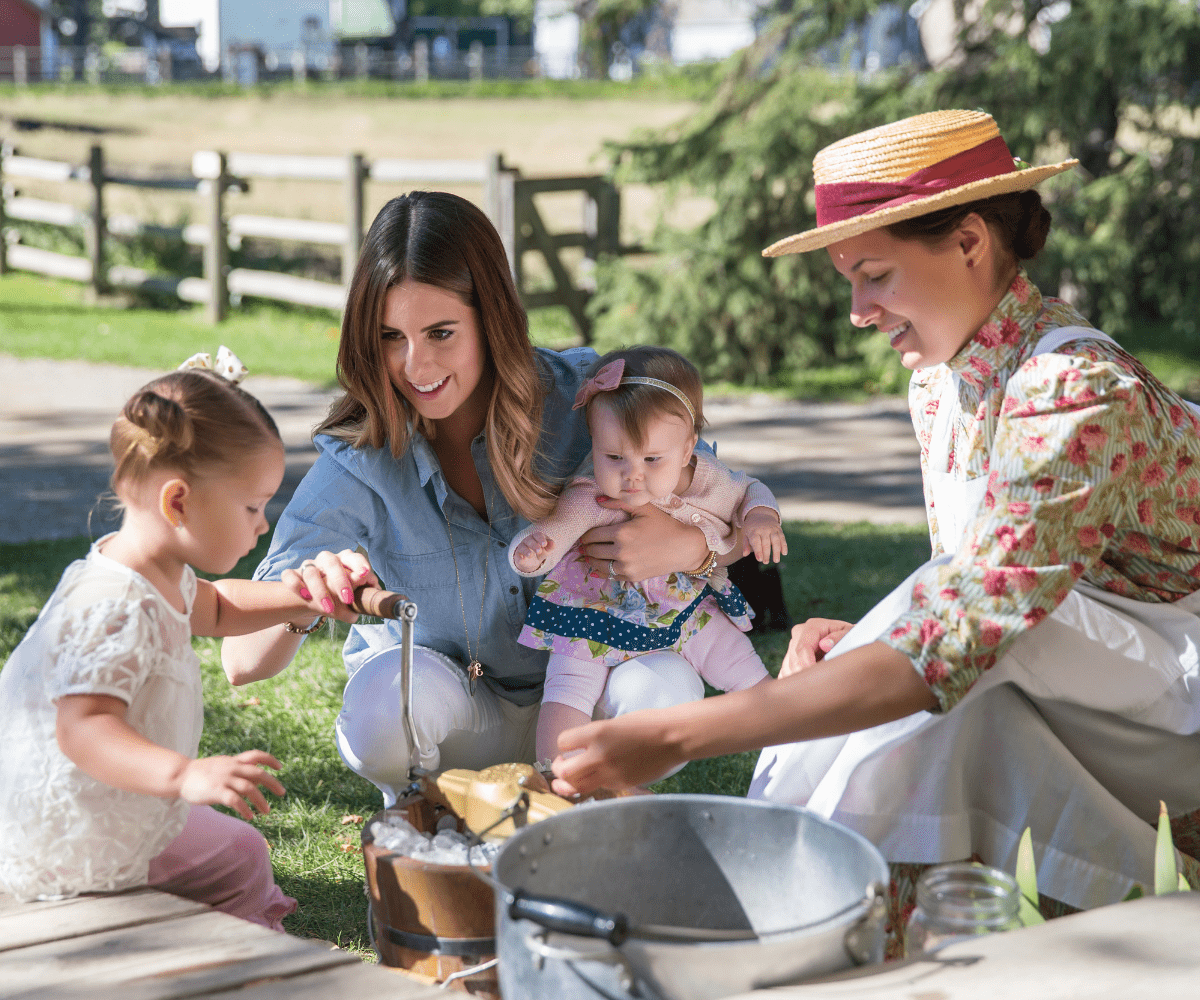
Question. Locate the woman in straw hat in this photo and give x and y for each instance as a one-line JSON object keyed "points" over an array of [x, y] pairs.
{"points": [[1042, 670]]}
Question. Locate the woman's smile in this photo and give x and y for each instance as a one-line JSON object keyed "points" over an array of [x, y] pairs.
{"points": [[430, 390], [896, 334]]}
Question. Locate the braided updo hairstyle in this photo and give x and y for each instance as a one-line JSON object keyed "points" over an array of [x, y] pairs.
{"points": [[1020, 221], [186, 421]]}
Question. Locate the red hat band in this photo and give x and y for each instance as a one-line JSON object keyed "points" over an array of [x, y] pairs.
{"points": [[838, 202]]}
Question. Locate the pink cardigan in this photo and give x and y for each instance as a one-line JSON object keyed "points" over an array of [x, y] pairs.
{"points": [[717, 502]]}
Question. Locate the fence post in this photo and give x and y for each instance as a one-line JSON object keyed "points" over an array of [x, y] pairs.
{"points": [[166, 64], [500, 204], [355, 173], [421, 60], [216, 253], [362, 61], [475, 60], [4, 152], [97, 225], [20, 63], [608, 218]]}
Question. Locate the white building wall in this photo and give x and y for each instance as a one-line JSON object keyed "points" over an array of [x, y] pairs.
{"points": [[556, 39], [200, 14], [712, 29]]}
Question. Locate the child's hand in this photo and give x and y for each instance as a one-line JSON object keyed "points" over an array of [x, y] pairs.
{"points": [[532, 552], [764, 535], [230, 781], [328, 580]]}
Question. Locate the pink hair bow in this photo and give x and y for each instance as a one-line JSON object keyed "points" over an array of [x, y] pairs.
{"points": [[605, 380]]}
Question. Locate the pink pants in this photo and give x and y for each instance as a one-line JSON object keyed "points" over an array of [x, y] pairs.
{"points": [[720, 653], [223, 861]]}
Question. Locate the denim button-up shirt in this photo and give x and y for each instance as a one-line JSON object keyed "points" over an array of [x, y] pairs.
{"points": [[397, 510]]}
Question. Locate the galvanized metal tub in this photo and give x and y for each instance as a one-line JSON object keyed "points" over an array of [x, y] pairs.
{"points": [[795, 895]]}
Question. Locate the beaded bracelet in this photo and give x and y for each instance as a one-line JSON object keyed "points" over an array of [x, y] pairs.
{"points": [[707, 566], [288, 626]]}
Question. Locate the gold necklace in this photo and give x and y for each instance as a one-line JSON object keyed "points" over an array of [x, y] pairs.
{"points": [[474, 667]]}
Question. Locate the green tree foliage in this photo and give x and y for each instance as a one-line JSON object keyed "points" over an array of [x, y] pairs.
{"points": [[1117, 88]]}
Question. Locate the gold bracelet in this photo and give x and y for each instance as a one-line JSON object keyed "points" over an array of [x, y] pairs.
{"points": [[707, 566], [288, 626]]}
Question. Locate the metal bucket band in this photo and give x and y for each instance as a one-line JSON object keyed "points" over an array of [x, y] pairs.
{"points": [[440, 945]]}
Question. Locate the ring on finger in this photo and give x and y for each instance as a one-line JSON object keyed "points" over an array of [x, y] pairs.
{"points": [[612, 569], [307, 562]]}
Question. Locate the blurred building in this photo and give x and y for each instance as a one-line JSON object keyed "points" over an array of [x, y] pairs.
{"points": [[273, 31], [687, 31], [27, 23], [691, 31]]}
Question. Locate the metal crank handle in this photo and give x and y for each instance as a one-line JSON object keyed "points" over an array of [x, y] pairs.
{"points": [[383, 604]]}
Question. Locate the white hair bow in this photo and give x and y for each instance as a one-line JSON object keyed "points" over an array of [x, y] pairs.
{"points": [[228, 365]]}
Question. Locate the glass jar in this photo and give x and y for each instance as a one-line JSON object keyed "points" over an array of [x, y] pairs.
{"points": [[959, 901]]}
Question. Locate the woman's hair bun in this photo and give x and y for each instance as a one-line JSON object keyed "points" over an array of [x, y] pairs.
{"points": [[1032, 226]]}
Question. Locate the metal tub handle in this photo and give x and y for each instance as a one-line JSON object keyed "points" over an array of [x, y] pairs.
{"points": [[863, 940], [539, 945]]}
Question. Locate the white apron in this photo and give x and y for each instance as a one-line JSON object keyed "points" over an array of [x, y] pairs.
{"points": [[1076, 732]]}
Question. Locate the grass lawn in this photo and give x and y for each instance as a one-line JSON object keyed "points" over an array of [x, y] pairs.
{"points": [[834, 571], [44, 318]]}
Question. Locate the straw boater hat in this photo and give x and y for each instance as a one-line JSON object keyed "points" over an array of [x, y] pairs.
{"points": [[909, 168]]}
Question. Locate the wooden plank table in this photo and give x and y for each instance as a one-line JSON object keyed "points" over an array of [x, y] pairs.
{"points": [[1147, 948], [149, 945]]}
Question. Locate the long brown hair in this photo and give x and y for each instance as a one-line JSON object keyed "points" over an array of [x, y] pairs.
{"points": [[442, 240]]}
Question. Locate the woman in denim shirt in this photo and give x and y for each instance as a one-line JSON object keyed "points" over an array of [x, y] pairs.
{"points": [[453, 434]]}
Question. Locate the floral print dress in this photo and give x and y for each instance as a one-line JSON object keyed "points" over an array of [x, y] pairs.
{"points": [[1093, 475], [1089, 519]]}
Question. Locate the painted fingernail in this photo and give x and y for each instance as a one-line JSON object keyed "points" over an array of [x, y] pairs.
{"points": [[327, 605], [305, 594], [347, 595]]}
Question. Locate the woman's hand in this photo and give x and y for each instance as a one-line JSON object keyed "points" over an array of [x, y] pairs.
{"points": [[231, 781], [811, 640], [328, 581], [651, 543], [630, 750]]}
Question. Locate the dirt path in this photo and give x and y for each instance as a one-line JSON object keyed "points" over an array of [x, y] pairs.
{"points": [[825, 461]]}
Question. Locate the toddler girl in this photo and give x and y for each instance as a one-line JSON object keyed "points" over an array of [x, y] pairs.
{"points": [[101, 703], [644, 412]]}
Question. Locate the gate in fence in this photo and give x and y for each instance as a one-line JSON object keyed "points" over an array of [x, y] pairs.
{"points": [[508, 199]]}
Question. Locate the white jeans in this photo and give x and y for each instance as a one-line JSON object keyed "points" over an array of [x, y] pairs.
{"points": [[456, 729]]}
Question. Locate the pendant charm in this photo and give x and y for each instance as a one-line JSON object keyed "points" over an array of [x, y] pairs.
{"points": [[474, 672]]}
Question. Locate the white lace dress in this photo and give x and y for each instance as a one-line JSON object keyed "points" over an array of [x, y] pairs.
{"points": [[105, 630]]}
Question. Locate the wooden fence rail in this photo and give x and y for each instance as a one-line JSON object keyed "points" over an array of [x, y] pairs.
{"points": [[508, 199]]}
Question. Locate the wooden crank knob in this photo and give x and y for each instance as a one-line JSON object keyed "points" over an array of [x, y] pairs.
{"points": [[378, 603]]}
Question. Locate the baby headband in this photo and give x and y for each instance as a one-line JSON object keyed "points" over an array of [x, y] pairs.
{"points": [[228, 365], [909, 168], [609, 378]]}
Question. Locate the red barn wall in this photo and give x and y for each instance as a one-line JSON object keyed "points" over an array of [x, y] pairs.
{"points": [[20, 23]]}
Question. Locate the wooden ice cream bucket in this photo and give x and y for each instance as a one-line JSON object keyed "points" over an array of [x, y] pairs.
{"points": [[432, 919]]}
